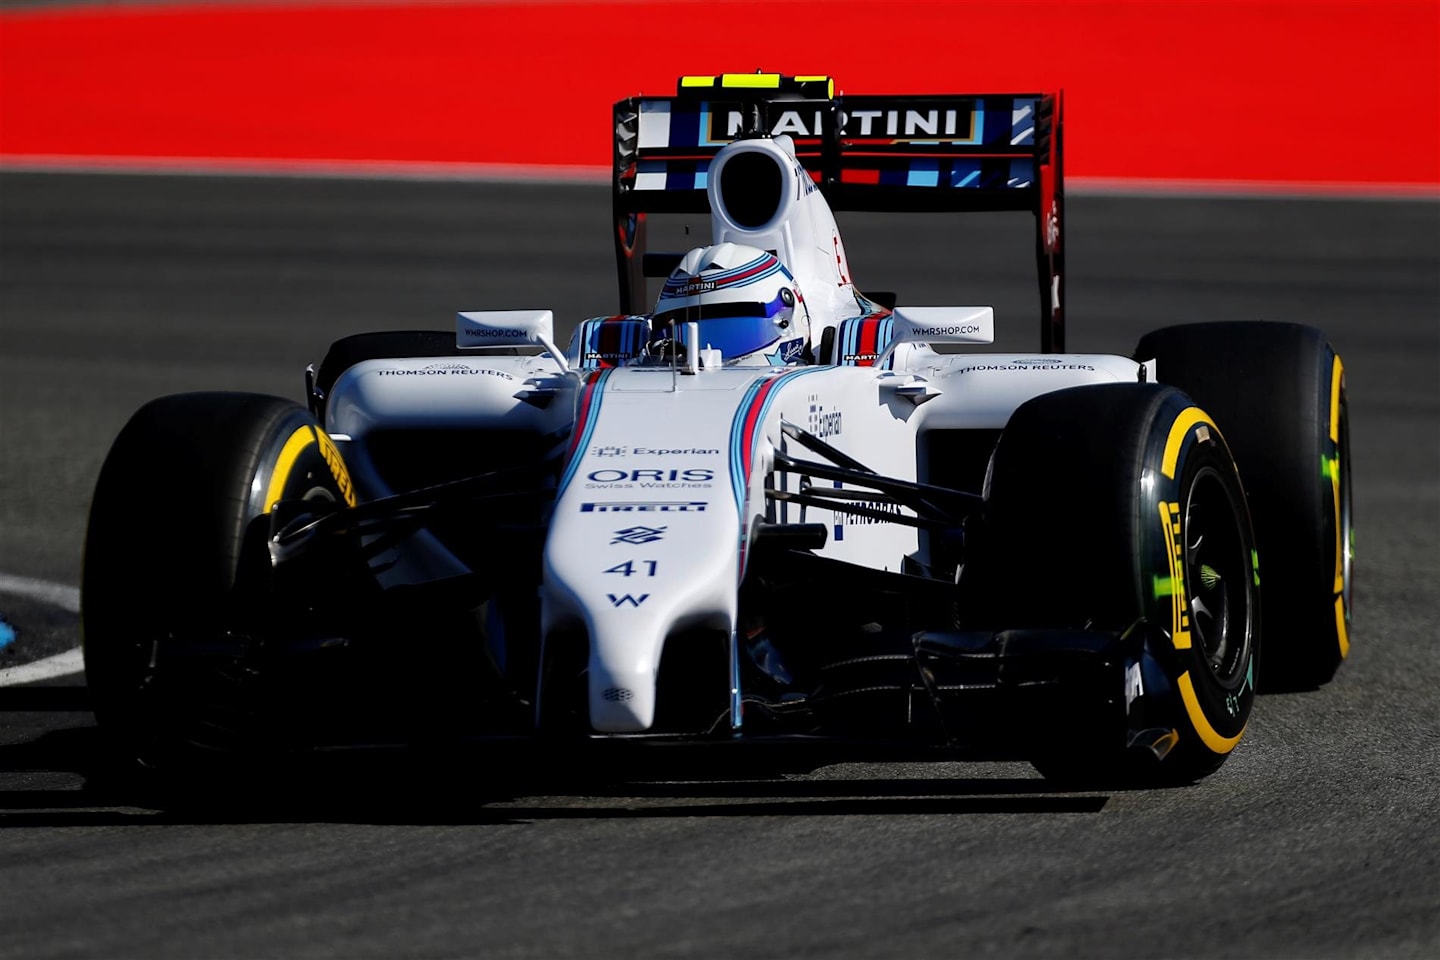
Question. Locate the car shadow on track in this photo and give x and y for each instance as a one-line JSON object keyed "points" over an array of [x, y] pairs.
{"points": [[37, 699], [63, 777]]}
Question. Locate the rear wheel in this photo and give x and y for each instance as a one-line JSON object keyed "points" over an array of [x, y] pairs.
{"points": [[167, 592], [1115, 508], [1278, 390]]}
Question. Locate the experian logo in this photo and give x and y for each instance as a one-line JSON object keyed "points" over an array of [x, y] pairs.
{"points": [[621, 451]]}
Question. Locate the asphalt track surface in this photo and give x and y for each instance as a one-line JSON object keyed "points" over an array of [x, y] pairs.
{"points": [[1320, 837]]}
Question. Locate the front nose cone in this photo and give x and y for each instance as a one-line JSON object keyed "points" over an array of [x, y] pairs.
{"points": [[622, 696]]}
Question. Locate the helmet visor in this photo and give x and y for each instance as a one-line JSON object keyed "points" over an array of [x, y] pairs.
{"points": [[735, 329]]}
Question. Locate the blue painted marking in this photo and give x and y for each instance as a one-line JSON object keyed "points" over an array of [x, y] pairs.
{"points": [[849, 345], [963, 172], [7, 633], [924, 173]]}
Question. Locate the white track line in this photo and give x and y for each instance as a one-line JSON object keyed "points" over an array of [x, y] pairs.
{"points": [[57, 595], [61, 665]]}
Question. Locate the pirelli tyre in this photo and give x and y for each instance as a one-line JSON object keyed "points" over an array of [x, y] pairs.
{"points": [[177, 511], [1117, 508], [1278, 392]]}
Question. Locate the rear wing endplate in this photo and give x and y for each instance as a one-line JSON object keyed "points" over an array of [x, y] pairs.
{"points": [[933, 153]]}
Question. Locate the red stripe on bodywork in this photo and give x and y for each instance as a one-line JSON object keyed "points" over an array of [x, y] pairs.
{"points": [[582, 414], [752, 423], [765, 264], [869, 338], [609, 338]]}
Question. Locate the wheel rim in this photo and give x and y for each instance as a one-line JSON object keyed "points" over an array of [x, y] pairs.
{"points": [[1216, 573]]}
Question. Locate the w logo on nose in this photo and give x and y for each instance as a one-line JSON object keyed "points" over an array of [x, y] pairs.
{"points": [[627, 598]]}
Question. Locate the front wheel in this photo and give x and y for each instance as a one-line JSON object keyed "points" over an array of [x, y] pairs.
{"points": [[1118, 508], [177, 510]]}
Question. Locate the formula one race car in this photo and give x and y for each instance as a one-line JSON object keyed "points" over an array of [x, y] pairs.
{"points": [[768, 509]]}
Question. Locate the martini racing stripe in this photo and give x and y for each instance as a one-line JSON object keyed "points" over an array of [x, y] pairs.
{"points": [[863, 339], [587, 414], [744, 432], [610, 341], [757, 269], [620, 339]]}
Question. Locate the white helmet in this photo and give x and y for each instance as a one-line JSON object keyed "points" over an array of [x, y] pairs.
{"points": [[746, 303]]}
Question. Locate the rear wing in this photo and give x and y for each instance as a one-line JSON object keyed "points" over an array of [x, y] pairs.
{"points": [[932, 153]]}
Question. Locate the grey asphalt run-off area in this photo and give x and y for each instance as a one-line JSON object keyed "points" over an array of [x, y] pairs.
{"points": [[1318, 838]]}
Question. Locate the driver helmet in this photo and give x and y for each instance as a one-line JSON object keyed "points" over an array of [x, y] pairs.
{"points": [[747, 306]]}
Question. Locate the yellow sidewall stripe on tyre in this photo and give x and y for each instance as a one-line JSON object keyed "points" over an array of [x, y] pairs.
{"points": [[1208, 734], [297, 442], [1337, 384], [1189, 417], [1337, 379], [294, 446]]}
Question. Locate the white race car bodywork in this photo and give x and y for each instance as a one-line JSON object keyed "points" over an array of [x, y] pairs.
{"points": [[667, 466], [862, 530]]}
